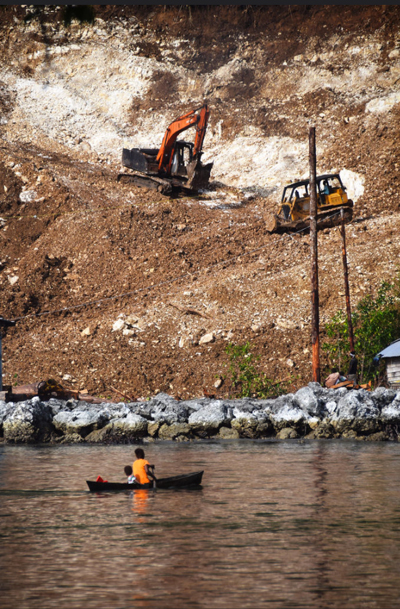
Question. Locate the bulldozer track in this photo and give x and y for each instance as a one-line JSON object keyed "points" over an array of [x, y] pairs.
{"points": [[327, 219]]}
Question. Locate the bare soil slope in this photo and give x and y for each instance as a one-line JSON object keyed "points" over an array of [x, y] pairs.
{"points": [[115, 286]]}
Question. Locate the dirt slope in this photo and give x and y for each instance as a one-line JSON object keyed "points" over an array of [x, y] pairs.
{"points": [[158, 274]]}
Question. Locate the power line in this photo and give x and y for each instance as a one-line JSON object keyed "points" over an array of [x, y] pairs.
{"points": [[70, 213]]}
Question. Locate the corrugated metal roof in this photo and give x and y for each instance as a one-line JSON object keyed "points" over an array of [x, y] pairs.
{"points": [[392, 350]]}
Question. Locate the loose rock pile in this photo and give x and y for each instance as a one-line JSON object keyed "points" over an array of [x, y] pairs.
{"points": [[312, 412]]}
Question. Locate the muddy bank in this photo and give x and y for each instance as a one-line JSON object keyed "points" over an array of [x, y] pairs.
{"points": [[312, 412]]}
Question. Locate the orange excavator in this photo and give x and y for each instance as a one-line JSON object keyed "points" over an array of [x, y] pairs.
{"points": [[176, 165]]}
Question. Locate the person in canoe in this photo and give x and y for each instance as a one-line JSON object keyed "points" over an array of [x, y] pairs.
{"points": [[129, 472], [142, 470]]}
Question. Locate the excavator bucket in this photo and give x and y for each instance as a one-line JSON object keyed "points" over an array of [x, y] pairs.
{"points": [[198, 175]]}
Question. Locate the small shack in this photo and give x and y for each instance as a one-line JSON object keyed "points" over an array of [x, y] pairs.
{"points": [[392, 356]]}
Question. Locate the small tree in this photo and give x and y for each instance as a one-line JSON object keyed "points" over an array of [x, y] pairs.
{"points": [[376, 323], [246, 380]]}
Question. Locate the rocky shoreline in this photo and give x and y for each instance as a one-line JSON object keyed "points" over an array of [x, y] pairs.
{"points": [[312, 412]]}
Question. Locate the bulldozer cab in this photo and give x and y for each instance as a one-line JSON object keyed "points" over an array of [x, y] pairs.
{"points": [[296, 197], [295, 191], [330, 191], [326, 185], [295, 194], [329, 185]]}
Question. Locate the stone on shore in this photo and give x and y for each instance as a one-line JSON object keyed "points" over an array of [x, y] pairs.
{"points": [[71, 438], [253, 425], [391, 413], [208, 419], [165, 409], [5, 411], [132, 427], [379, 436], [356, 412], [81, 422], [312, 412], [28, 422], [171, 432], [306, 399], [383, 397], [287, 433], [108, 412], [286, 413], [152, 428], [228, 433]]}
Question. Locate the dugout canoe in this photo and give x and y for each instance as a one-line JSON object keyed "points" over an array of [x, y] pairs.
{"points": [[183, 481]]}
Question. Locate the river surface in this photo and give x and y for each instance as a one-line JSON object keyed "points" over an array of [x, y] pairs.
{"points": [[276, 525]]}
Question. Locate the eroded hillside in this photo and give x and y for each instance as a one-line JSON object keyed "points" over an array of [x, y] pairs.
{"points": [[162, 277]]}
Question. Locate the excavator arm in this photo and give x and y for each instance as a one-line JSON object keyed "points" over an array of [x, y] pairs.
{"points": [[197, 117], [201, 128]]}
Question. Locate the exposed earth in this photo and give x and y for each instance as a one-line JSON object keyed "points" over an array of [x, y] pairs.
{"points": [[116, 286]]}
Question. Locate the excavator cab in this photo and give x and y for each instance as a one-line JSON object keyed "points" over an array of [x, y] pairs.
{"points": [[182, 156], [294, 211]]}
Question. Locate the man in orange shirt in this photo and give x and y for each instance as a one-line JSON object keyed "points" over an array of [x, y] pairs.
{"points": [[142, 470]]}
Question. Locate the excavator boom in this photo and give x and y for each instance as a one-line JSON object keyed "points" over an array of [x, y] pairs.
{"points": [[200, 119], [201, 128]]}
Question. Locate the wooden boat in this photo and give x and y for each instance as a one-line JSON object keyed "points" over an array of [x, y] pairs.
{"points": [[182, 481]]}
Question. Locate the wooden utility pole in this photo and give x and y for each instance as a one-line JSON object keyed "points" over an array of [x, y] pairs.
{"points": [[4, 323], [316, 372], [346, 281], [1, 362]]}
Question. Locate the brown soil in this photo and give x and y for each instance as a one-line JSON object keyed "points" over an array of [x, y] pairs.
{"points": [[128, 251]]}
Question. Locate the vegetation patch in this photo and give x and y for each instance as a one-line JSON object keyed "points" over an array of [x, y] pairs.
{"points": [[247, 381], [376, 324]]}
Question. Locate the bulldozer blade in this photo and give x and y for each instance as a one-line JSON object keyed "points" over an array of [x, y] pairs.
{"points": [[198, 175], [271, 222]]}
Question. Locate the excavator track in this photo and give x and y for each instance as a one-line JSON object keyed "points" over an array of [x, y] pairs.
{"points": [[138, 178], [198, 178]]}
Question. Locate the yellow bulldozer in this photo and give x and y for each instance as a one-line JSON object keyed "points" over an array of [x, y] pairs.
{"points": [[294, 211]]}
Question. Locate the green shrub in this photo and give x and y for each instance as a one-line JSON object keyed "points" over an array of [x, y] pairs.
{"points": [[246, 380], [376, 324]]}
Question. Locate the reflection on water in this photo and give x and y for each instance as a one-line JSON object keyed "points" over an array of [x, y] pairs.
{"points": [[276, 524], [140, 499]]}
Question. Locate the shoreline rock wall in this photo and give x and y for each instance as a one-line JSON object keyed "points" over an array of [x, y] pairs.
{"points": [[312, 412]]}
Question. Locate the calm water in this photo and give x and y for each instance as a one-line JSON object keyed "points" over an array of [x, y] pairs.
{"points": [[276, 525]]}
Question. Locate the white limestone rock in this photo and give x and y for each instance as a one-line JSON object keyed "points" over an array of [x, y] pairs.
{"points": [[209, 418], [306, 399], [28, 422], [356, 411], [289, 415], [165, 409], [383, 397], [79, 421]]}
